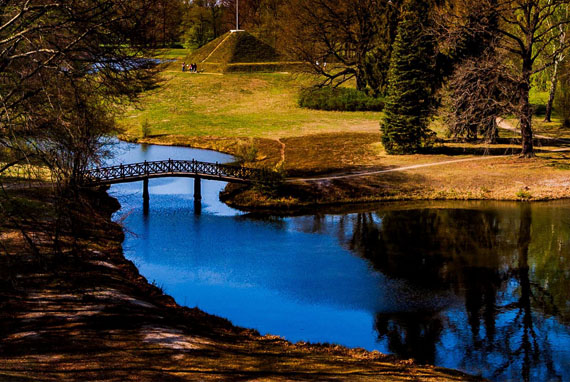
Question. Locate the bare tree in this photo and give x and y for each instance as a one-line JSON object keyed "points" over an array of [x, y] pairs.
{"points": [[341, 33], [480, 89], [64, 67], [527, 38]]}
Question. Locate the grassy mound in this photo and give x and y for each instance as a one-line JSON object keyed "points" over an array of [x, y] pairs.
{"points": [[199, 55], [230, 48]]}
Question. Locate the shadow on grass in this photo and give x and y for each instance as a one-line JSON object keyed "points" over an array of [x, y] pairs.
{"points": [[500, 147], [472, 150]]}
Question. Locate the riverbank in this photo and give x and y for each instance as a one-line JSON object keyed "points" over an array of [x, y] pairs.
{"points": [[255, 117], [87, 314], [348, 168]]}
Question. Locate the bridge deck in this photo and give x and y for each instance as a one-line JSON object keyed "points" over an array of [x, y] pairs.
{"points": [[170, 168]]}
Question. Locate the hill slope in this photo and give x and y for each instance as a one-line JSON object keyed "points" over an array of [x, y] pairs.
{"points": [[237, 47]]}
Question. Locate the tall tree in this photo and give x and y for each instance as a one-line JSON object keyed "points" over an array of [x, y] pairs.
{"points": [[410, 82], [344, 34], [203, 21], [259, 17], [169, 19], [526, 30], [562, 99]]}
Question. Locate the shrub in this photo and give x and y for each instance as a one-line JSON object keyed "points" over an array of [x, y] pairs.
{"points": [[246, 151], [145, 127], [338, 99], [524, 194], [269, 181], [538, 109]]}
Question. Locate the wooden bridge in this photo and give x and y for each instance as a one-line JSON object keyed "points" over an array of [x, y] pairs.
{"points": [[143, 171]]}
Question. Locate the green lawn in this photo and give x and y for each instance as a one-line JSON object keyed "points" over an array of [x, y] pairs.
{"points": [[172, 54], [236, 105]]}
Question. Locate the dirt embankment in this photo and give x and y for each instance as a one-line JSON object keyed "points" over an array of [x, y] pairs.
{"points": [[87, 314]]}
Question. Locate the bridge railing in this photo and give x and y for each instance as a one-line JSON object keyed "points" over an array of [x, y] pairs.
{"points": [[175, 167]]}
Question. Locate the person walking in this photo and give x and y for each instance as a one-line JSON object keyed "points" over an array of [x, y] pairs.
{"points": [[184, 66]]}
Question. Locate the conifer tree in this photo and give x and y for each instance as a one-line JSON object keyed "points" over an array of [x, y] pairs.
{"points": [[410, 82]]}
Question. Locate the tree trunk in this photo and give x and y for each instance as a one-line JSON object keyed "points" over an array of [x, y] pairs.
{"points": [[526, 112], [553, 83], [164, 24], [360, 79]]}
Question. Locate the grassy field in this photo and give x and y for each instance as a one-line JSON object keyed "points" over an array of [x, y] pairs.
{"points": [[172, 54], [236, 105]]}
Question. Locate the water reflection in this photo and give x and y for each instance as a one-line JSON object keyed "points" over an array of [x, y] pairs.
{"points": [[499, 261]]}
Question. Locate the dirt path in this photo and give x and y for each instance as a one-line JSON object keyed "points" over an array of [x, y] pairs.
{"points": [[282, 151], [396, 169], [502, 124]]}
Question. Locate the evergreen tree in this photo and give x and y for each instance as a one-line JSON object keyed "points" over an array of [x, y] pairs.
{"points": [[410, 82]]}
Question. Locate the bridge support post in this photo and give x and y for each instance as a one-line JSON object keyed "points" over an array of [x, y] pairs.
{"points": [[197, 196], [197, 189], [146, 197]]}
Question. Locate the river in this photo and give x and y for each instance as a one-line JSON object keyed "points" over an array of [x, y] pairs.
{"points": [[483, 287]]}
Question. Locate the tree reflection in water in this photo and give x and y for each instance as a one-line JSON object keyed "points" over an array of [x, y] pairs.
{"points": [[510, 272]]}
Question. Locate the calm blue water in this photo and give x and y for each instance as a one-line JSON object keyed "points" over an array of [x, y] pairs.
{"points": [[482, 287]]}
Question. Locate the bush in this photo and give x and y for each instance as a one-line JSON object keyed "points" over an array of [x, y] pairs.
{"points": [[538, 109], [246, 151], [524, 194], [145, 127], [339, 99], [269, 181]]}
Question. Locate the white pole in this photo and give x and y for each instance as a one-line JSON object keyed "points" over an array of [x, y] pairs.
{"points": [[237, 15]]}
